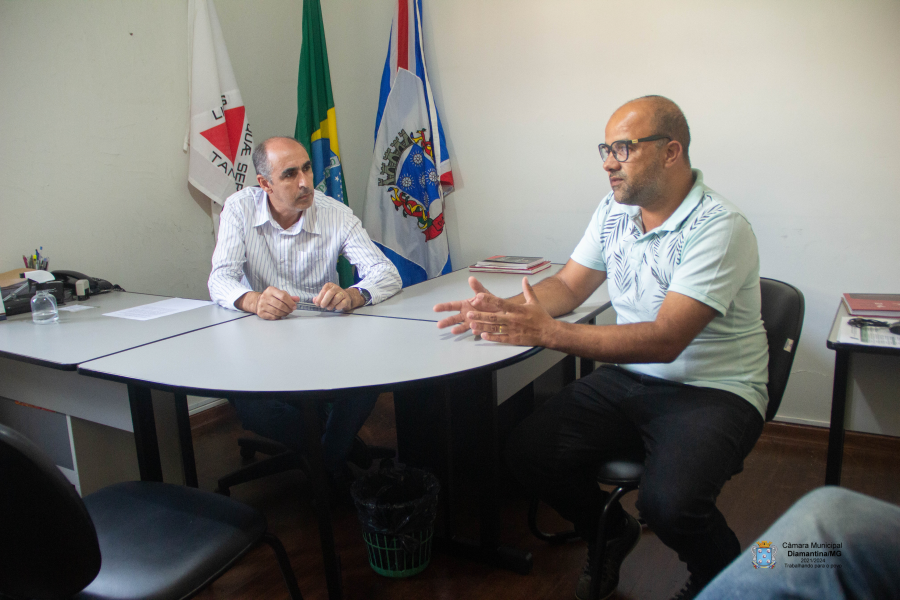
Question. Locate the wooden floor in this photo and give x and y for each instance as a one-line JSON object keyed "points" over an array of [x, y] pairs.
{"points": [[788, 461]]}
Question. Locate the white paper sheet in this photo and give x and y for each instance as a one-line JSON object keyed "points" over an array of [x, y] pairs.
{"points": [[163, 308], [867, 336]]}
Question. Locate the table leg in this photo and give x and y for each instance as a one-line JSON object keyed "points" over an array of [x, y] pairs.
{"points": [[569, 369], [461, 432], [145, 440], [838, 414], [587, 364], [332, 562], [183, 421], [490, 548]]}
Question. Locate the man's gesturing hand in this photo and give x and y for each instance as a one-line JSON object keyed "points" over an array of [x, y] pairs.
{"points": [[270, 305], [499, 320], [464, 307]]}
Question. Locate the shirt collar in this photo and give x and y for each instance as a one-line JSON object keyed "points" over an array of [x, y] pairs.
{"points": [[261, 208], [687, 206], [308, 220], [262, 215]]}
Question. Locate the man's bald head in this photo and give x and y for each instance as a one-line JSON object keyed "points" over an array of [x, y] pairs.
{"points": [[261, 155], [666, 119]]}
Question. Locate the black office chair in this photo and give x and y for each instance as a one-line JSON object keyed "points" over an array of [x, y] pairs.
{"points": [[782, 311], [156, 540]]}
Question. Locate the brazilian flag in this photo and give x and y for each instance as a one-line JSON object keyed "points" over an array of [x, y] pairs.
{"points": [[316, 123]]}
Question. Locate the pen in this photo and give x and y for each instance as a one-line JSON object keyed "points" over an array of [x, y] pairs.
{"points": [[25, 260], [310, 306]]}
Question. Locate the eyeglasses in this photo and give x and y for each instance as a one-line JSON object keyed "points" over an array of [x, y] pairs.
{"points": [[620, 148]]}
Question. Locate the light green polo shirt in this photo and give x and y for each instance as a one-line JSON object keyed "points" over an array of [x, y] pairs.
{"points": [[706, 250]]}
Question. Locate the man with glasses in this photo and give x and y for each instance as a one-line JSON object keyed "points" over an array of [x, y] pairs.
{"points": [[684, 387]]}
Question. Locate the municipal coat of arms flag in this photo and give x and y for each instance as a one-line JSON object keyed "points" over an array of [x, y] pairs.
{"points": [[410, 175]]}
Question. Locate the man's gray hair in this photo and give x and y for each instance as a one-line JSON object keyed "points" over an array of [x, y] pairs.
{"points": [[669, 120], [261, 157]]}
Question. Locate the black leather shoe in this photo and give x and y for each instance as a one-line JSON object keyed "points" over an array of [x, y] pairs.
{"points": [[616, 550]]}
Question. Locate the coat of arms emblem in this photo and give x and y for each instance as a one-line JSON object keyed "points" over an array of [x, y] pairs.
{"points": [[412, 179], [763, 555]]}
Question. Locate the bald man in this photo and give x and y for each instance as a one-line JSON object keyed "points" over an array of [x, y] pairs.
{"points": [[278, 246], [684, 387]]}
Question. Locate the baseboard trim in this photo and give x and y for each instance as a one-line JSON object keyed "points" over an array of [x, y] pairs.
{"points": [[806, 434], [795, 433], [210, 416], [801, 421]]}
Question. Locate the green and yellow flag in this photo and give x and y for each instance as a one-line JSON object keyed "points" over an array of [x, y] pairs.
{"points": [[316, 123]]}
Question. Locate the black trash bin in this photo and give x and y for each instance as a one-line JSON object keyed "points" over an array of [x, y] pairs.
{"points": [[396, 506]]}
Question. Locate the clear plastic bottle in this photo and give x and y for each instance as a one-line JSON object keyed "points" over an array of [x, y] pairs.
{"points": [[43, 308]]}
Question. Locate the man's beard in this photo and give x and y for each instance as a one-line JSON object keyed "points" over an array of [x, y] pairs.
{"points": [[643, 191]]}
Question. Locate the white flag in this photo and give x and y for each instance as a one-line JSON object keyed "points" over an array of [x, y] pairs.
{"points": [[410, 174], [220, 137]]}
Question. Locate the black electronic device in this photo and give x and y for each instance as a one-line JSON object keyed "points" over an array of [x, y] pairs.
{"points": [[895, 328], [70, 277], [17, 306], [17, 299], [54, 287]]}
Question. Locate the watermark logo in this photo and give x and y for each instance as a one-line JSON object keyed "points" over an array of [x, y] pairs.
{"points": [[763, 555]]}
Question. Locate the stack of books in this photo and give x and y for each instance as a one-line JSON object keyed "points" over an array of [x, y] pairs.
{"points": [[521, 265], [885, 306]]}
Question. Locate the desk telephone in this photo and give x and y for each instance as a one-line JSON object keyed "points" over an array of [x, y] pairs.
{"points": [[70, 277], [17, 299]]}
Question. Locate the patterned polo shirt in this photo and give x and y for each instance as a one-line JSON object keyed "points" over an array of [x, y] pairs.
{"points": [[705, 250]]}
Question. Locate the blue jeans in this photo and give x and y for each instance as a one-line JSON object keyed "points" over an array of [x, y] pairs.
{"points": [[283, 422], [868, 531], [691, 440]]}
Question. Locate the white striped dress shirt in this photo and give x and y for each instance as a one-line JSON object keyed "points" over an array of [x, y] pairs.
{"points": [[254, 252]]}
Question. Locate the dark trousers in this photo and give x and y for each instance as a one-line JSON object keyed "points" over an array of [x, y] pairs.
{"points": [[283, 422], [691, 440]]}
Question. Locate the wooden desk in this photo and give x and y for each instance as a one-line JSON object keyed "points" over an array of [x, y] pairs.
{"points": [[842, 359]]}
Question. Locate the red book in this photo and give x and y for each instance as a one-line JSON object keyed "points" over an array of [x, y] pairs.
{"points": [[873, 305]]}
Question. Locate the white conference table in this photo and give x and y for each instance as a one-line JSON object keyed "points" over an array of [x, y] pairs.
{"points": [[312, 357], [38, 363], [418, 301]]}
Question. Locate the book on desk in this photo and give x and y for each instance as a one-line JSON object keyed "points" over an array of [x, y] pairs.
{"points": [[873, 305], [521, 265]]}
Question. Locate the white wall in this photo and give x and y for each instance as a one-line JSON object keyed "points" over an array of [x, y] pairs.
{"points": [[94, 99], [793, 108], [792, 105]]}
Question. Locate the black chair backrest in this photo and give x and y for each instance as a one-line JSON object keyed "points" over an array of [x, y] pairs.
{"points": [[48, 545], [782, 315]]}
